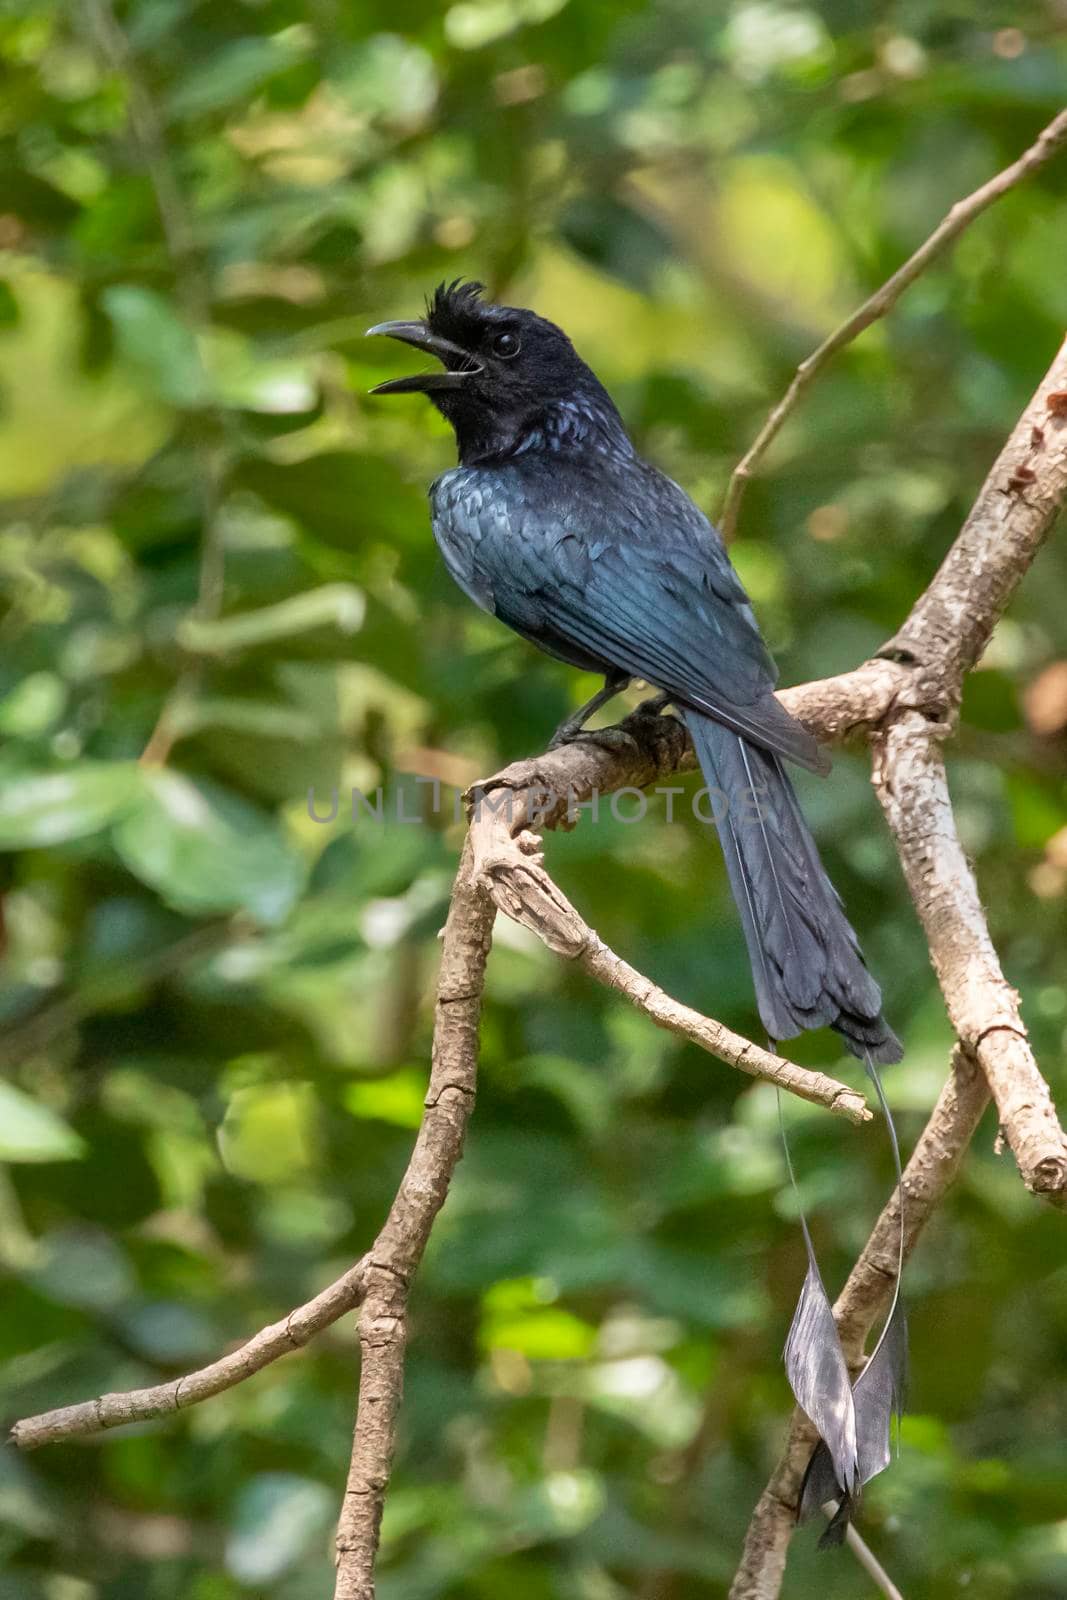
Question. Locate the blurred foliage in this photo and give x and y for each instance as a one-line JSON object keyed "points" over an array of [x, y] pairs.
{"points": [[216, 1009]]}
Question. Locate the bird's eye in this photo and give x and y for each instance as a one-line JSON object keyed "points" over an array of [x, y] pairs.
{"points": [[507, 345]]}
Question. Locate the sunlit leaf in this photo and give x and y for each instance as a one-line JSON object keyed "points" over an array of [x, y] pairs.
{"points": [[41, 809], [30, 1131], [33, 705], [270, 1132], [551, 1334], [399, 1098]]}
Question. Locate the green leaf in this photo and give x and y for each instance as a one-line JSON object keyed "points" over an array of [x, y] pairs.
{"points": [[48, 808], [269, 1134], [157, 343], [204, 850], [33, 705], [29, 1131], [546, 1335], [233, 72], [399, 1098]]}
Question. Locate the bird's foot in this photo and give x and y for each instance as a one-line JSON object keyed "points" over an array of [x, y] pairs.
{"points": [[575, 733], [571, 729], [566, 733]]}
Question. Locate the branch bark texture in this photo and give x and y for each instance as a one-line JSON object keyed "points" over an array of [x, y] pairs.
{"points": [[398, 1249]]}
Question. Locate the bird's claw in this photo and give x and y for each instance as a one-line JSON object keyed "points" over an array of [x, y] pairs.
{"points": [[606, 738], [566, 733], [574, 731]]}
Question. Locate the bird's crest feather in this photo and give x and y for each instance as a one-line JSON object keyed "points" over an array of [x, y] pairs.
{"points": [[455, 307]]}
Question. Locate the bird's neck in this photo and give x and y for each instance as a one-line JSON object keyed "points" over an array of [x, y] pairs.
{"points": [[581, 424]]}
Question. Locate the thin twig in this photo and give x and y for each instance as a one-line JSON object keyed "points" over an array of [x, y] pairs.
{"points": [[962, 214], [141, 1405], [871, 1564]]}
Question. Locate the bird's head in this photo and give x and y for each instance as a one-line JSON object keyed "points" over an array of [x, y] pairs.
{"points": [[503, 369]]}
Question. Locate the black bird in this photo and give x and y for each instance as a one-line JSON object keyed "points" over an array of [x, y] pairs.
{"points": [[552, 522]]}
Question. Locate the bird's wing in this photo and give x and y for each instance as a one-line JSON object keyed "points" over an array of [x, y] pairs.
{"points": [[634, 576]]}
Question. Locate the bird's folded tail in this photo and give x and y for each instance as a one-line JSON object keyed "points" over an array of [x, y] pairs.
{"points": [[809, 973], [806, 961]]}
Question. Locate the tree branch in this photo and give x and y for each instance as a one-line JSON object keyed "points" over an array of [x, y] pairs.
{"points": [[142, 1405], [982, 1006], [959, 218], [943, 637], [548, 792], [398, 1249]]}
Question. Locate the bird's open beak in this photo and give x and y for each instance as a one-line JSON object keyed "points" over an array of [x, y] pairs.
{"points": [[458, 363]]}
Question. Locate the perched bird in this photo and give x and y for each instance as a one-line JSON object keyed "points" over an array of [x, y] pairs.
{"points": [[553, 523]]}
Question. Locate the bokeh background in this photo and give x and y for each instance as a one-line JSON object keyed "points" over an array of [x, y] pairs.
{"points": [[216, 1011]]}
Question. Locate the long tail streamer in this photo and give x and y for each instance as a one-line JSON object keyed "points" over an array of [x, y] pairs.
{"points": [[854, 1421]]}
